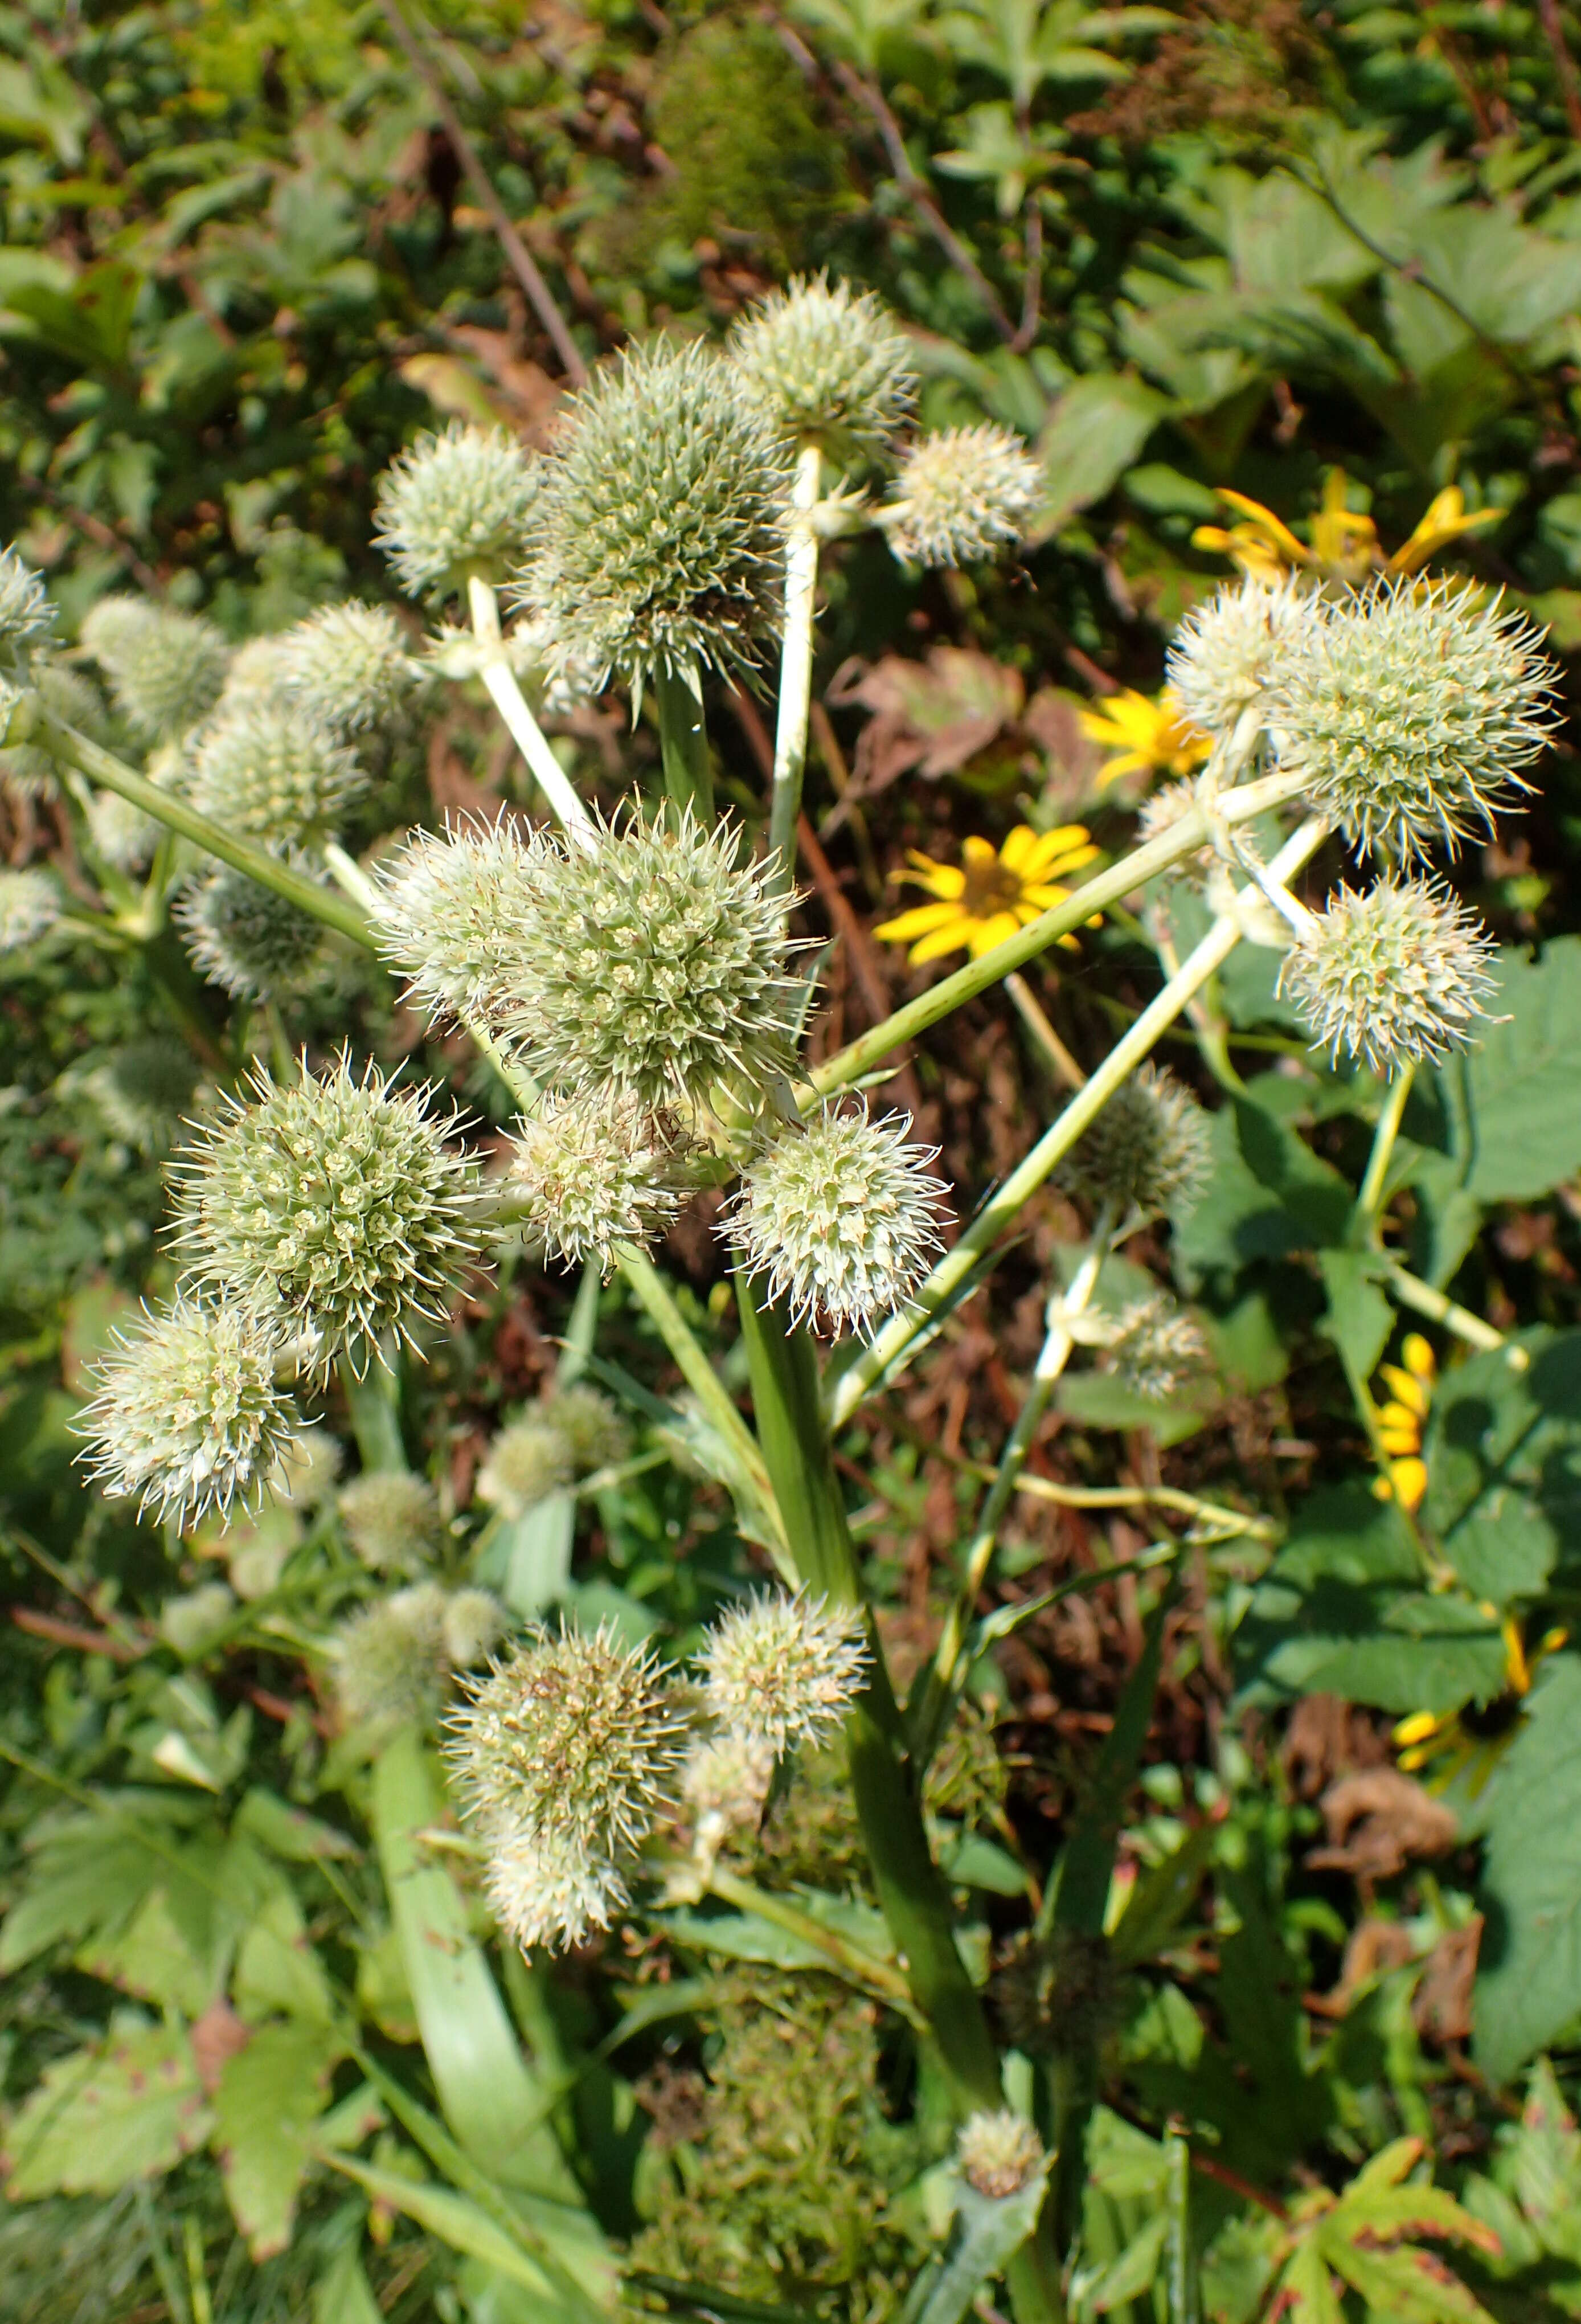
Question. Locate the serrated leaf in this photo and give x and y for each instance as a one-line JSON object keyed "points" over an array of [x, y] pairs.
{"points": [[1308, 2289], [277, 1969], [1528, 1977], [88, 1876], [269, 2096], [127, 2109], [151, 1959]]}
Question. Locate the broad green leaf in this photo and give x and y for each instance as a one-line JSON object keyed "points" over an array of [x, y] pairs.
{"points": [[277, 1969], [1360, 1318], [1096, 429], [269, 2096], [1515, 1098], [128, 2109], [291, 1832], [87, 1878], [1503, 1453], [152, 1958], [91, 322], [1529, 1972], [987, 2233]]}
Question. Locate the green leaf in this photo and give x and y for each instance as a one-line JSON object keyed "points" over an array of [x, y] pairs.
{"points": [[1503, 1454], [87, 1877], [1515, 1098], [1360, 1318], [469, 2229], [152, 1958], [126, 2110], [1163, 1897], [988, 2234], [269, 2096], [92, 322], [1096, 429], [1267, 1195], [277, 1968], [291, 1832], [1528, 1974], [342, 2295]]}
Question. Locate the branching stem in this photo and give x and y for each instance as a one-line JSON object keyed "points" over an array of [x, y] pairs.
{"points": [[511, 704]]}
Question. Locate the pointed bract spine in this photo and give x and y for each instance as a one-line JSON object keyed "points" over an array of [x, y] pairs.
{"points": [[783, 1669], [963, 494], [1395, 975]]}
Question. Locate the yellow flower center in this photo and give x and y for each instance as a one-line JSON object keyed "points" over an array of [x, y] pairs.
{"points": [[990, 886]]}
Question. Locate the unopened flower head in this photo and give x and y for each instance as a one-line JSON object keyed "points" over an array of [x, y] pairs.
{"points": [[389, 1660], [144, 1090], [123, 836], [26, 767], [830, 366], [594, 1173], [651, 961], [27, 617], [30, 906], [527, 1461], [392, 1519], [782, 1669], [308, 1474], [726, 1779], [1158, 1348], [257, 672], [1229, 654], [187, 1416], [474, 1624], [567, 1756], [450, 912], [165, 667], [331, 1206], [962, 495], [1409, 711], [1147, 1151], [1392, 975], [243, 936], [842, 1217], [346, 668], [594, 1430], [454, 505], [269, 772], [659, 538], [999, 2153]]}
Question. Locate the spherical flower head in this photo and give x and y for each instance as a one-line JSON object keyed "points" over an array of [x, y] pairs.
{"points": [[659, 540], [450, 911], [831, 366], [782, 1669], [527, 1461], [26, 769], [165, 667], [121, 834], [144, 1090], [453, 505], [392, 1519], [1158, 1348], [269, 772], [594, 1173], [651, 962], [27, 618], [963, 494], [726, 1780], [567, 1757], [1147, 1151], [474, 1624], [594, 1430], [243, 938], [1229, 654], [999, 2153], [389, 1660], [1395, 975], [842, 1215], [307, 1475], [188, 1418], [30, 906], [1409, 711], [346, 668], [331, 1207]]}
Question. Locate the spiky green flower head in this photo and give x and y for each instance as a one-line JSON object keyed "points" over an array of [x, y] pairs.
{"points": [[1228, 654], [999, 2153], [392, 1519], [830, 367], [962, 494], [1057, 1995], [307, 1475], [594, 1430], [30, 906], [651, 961], [333, 1207], [450, 911], [144, 1090], [1409, 711], [1158, 1349], [726, 1781], [188, 1418], [594, 1174], [659, 540], [120, 834], [455, 504], [565, 1757], [391, 1665], [28, 769], [254, 943], [474, 1624], [165, 667], [346, 668], [1393, 976], [842, 1214], [27, 617], [529, 1461], [783, 1669], [1147, 1151], [269, 772]]}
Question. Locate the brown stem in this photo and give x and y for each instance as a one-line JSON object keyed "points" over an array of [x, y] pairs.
{"points": [[1553, 26], [72, 1634]]}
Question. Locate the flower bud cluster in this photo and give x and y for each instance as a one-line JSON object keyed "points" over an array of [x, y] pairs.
{"points": [[999, 2153], [394, 1659], [570, 1434], [28, 770], [346, 668], [143, 1090], [962, 495], [268, 769], [783, 1670], [1157, 1349]]}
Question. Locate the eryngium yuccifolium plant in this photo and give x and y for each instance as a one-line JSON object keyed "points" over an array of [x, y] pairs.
{"points": [[1229, 654], [1158, 1348], [30, 771], [449, 912], [456, 504], [347, 669], [392, 1519], [165, 667], [830, 366], [592, 1172], [652, 961], [144, 1090], [27, 617], [271, 771], [659, 543], [1409, 711], [567, 1757], [1395, 975], [592, 1429], [842, 1217], [784, 1670], [243, 938], [1147, 1151], [331, 1207], [30, 906], [528, 1460], [121, 834], [187, 1416], [962, 495], [998, 2153], [474, 1624], [389, 1660]]}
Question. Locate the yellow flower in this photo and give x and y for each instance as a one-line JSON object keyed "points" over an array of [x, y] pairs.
{"points": [[1401, 1420], [1472, 1741], [988, 897], [1344, 543], [1149, 737], [1446, 520]]}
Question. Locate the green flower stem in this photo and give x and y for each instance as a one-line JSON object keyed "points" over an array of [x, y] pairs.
{"points": [[350, 875], [509, 700], [851, 1961], [1369, 1201], [112, 774], [374, 1408], [1439, 1308], [890, 1346], [1146, 1497], [683, 743], [933, 1701], [1194, 830], [1044, 1039], [795, 667]]}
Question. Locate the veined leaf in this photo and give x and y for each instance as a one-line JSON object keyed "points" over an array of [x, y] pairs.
{"points": [[270, 2095], [1528, 1981], [126, 2110]]}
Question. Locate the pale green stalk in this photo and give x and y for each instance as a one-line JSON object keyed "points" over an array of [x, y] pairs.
{"points": [[796, 669], [683, 740], [1044, 1038], [352, 877], [1439, 1308], [509, 700], [890, 1346], [848, 1959], [1369, 1201]]}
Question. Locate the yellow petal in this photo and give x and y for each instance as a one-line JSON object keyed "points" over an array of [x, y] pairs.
{"points": [[1401, 1416], [1416, 1726], [1419, 1356], [978, 850], [990, 932], [1130, 762], [1407, 1389], [1411, 1482], [1022, 843], [1266, 522], [1397, 1442], [1035, 863], [953, 939], [923, 922]]}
